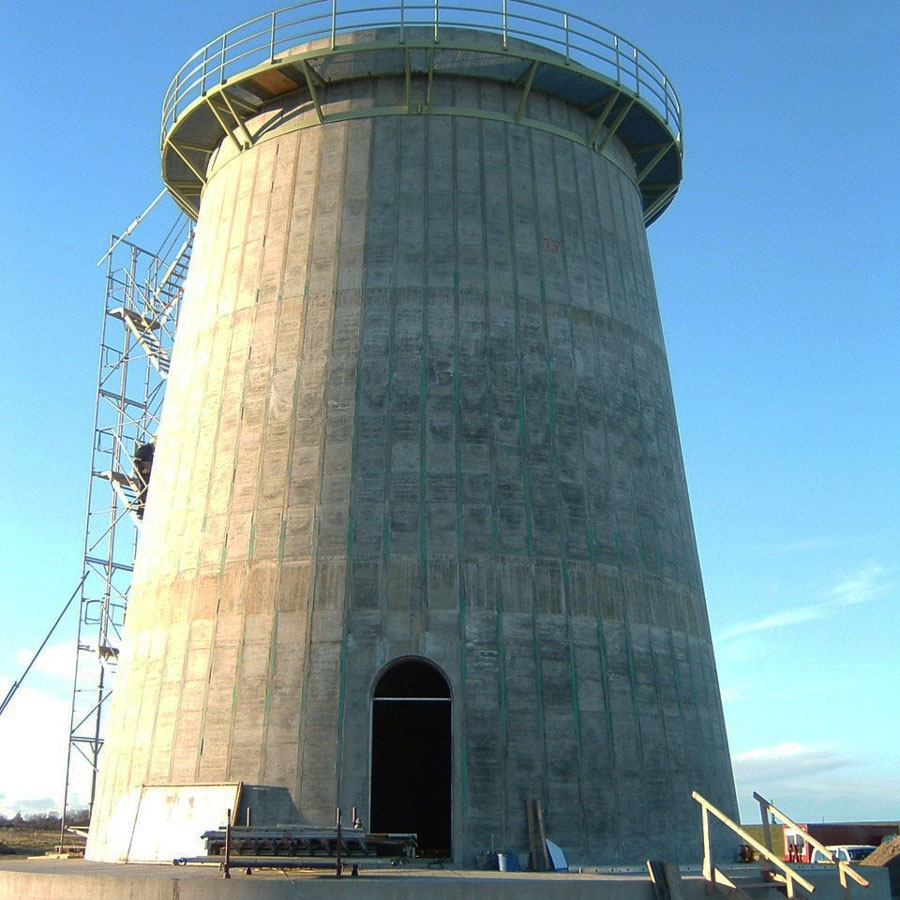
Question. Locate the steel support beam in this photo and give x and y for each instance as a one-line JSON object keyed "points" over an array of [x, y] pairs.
{"points": [[601, 119], [228, 131], [620, 118], [526, 89], [311, 86], [654, 162], [659, 203], [407, 71], [248, 140], [430, 76], [188, 163]]}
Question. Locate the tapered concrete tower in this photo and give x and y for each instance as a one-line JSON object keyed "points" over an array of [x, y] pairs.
{"points": [[418, 537]]}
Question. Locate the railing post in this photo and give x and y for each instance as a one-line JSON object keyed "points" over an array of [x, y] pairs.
{"points": [[503, 26], [222, 59], [226, 870], [666, 96], [272, 40], [618, 63], [175, 97], [340, 839], [566, 29], [436, 17], [637, 73], [763, 809], [333, 22], [402, 21]]}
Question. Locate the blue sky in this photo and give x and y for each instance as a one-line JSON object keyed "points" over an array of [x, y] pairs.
{"points": [[778, 277]]}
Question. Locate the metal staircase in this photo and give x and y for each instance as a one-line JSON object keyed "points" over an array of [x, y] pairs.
{"points": [[143, 329], [126, 489]]}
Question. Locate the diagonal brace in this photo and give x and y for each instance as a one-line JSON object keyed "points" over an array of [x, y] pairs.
{"points": [[311, 85], [188, 163], [607, 108], [240, 122], [620, 118], [654, 162], [228, 131]]}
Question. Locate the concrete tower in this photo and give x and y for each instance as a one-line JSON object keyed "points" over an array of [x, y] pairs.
{"points": [[418, 536]]}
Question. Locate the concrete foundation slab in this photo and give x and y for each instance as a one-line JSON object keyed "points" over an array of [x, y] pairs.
{"points": [[82, 880]]}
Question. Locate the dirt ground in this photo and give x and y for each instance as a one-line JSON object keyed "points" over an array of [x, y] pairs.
{"points": [[24, 841]]}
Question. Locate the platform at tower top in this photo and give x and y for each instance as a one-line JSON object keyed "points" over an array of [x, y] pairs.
{"points": [[306, 48], [38, 879]]}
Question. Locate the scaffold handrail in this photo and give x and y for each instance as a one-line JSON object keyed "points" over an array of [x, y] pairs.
{"points": [[786, 875], [575, 39], [767, 809]]}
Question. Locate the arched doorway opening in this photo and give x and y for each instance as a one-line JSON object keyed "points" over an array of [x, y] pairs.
{"points": [[411, 759]]}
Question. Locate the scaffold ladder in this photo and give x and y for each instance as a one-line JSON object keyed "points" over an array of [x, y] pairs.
{"points": [[140, 314]]}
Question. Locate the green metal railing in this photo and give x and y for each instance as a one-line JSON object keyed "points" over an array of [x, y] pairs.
{"points": [[576, 40]]}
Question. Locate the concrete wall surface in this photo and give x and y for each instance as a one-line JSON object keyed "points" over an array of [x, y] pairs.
{"points": [[419, 405]]}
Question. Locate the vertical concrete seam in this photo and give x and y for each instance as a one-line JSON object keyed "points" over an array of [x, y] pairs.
{"points": [[415, 614], [462, 599], [590, 535], [276, 586], [212, 654], [671, 825], [181, 464], [385, 582], [205, 501], [354, 457], [556, 150], [618, 544], [523, 454], [267, 699], [258, 175], [159, 692], [213, 334], [238, 430], [613, 781], [492, 462], [461, 595], [562, 531], [629, 650], [330, 388], [313, 579]]}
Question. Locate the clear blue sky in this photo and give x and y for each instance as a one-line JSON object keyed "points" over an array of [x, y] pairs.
{"points": [[778, 276]]}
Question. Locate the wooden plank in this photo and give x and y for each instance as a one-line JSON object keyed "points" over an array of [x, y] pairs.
{"points": [[275, 82], [657, 873], [764, 815], [543, 837], [532, 845]]}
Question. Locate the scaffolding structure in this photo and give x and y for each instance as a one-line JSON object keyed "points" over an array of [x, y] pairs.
{"points": [[140, 314]]}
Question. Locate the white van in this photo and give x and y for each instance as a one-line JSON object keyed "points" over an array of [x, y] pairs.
{"points": [[843, 853]]}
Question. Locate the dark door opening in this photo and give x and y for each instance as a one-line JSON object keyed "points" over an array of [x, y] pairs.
{"points": [[411, 755]]}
